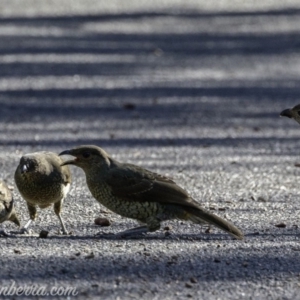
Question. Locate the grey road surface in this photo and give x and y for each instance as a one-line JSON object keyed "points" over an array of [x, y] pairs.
{"points": [[190, 89]]}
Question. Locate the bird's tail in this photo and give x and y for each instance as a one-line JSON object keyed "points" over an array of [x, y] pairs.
{"points": [[200, 216]]}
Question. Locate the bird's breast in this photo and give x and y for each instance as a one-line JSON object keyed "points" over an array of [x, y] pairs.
{"points": [[124, 207], [41, 192]]}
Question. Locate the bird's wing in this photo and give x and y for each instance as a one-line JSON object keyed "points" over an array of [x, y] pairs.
{"points": [[6, 196], [56, 161], [8, 204], [137, 184]]}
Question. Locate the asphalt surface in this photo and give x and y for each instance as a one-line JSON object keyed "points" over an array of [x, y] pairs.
{"points": [[190, 89]]}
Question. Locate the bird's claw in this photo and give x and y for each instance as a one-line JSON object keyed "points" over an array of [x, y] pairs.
{"points": [[24, 230], [62, 232], [4, 233]]}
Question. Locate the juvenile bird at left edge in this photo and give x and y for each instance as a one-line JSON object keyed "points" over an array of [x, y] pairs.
{"points": [[7, 209]]}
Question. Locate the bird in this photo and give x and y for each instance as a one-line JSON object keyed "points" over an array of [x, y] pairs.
{"points": [[42, 181], [7, 210], [137, 193], [292, 113]]}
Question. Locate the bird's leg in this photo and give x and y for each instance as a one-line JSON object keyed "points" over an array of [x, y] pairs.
{"points": [[32, 214], [57, 210], [62, 224], [24, 229]]}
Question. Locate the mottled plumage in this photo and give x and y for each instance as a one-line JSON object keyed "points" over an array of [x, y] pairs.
{"points": [[140, 194], [42, 181], [7, 210], [292, 113]]}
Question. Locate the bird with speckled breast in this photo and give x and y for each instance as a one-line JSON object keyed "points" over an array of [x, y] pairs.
{"points": [[43, 182], [7, 210], [137, 193]]}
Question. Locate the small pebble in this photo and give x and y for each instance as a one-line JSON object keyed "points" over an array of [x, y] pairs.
{"points": [[208, 230], [102, 222], [193, 280], [129, 106], [158, 52], [90, 256], [281, 225], [168, 227], [262, 199], [43, 234]]}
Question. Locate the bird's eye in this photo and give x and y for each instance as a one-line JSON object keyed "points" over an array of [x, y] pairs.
{"points": [[86, 154]]}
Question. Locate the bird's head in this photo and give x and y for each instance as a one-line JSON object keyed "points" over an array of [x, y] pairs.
{"points": [[39, 164], [87, 157], [292, 113], [28, 164]]}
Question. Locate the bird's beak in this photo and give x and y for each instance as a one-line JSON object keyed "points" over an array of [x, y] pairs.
{"points": [[24, 169], [67, 162], [286, 113], [66, 152]]}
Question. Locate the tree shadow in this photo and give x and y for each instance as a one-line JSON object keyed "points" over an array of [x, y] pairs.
{"points": [[194, 103]]}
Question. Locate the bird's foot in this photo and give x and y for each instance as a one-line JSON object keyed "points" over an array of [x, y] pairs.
{"points": [[24, 230], [63, 227], [4, 233], [63, 232]]}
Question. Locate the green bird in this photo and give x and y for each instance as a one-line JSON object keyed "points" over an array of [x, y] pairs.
{"points": [[7, 210], [140, 194], [292, 113], [42, 181]]}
